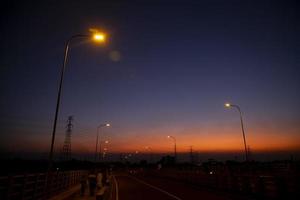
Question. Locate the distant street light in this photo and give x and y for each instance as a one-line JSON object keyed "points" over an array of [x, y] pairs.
{"points": [[104, 152], [98, 130], [228, 105], [101, 155], [97, 37], [175, 151]]}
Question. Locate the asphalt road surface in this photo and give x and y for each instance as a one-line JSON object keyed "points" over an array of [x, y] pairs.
{"points": [[150, 188]]}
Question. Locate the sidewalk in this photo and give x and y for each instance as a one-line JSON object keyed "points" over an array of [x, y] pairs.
{"points": [[85, 196]]}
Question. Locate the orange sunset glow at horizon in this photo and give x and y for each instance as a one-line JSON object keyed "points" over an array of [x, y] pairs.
{"points": [[203, 138], [225, 142]]}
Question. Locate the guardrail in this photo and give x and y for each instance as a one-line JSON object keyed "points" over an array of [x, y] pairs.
{"points": [[38, 186], [265, 187]]}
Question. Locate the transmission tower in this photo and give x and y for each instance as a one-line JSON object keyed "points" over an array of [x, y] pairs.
{"points": [[66, 151]]}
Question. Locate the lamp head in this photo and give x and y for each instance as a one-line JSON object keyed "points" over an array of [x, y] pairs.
{"points": [[227, 105], [99, 37]]}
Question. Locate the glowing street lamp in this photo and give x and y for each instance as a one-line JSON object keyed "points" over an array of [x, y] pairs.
{"points": [[96, 36], [99, 37], [228, 105], [98, 130], [175, 152], [104, 149]]}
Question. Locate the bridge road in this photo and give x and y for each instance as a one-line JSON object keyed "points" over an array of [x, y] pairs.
{"points": [[133, 188]]}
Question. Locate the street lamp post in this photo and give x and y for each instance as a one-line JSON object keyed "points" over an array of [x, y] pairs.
{"points": [[100, 37], [97, 139], [228, 105], [175, 151]]}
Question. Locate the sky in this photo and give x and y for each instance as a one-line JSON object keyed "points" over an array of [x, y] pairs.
{"points": [[167, 68]]}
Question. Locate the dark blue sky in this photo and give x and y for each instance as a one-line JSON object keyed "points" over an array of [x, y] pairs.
{"points": [[180, 61]]}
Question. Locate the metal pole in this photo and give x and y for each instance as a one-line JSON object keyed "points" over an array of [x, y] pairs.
{"points": [[96, 151], [100, 152], [175, 152], [59, 97], [58, 103], [243, 131]]}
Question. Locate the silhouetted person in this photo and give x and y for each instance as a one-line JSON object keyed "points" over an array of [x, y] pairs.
{"points": [[92, 183], [99, 180], [83, 184]]}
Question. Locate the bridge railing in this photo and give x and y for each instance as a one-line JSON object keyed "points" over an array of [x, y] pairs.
{"points": [[39, 185]]}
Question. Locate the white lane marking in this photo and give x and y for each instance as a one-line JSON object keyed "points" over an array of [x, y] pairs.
{"points": [[117, 188], [154, 187]]}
